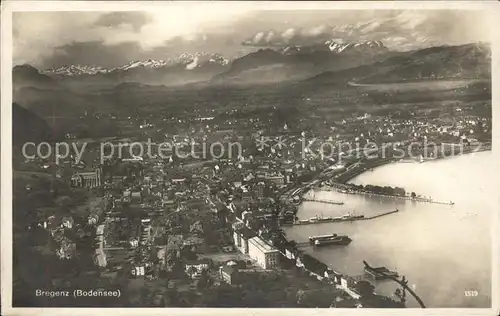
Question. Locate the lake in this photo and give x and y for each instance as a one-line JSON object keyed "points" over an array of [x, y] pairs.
{"points": [[443, 250]]}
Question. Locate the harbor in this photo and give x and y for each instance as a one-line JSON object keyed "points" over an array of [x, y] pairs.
{"points": [[375, 240], [346, 189]]}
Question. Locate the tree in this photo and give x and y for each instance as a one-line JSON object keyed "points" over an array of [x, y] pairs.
{"points": [[64, 202], [364, 288], [413, 195], [204, 280]]}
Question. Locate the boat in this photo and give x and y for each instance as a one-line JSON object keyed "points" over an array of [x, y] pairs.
{"points": [[350, 216], [337, 240], [312, 239], [320, 219]]}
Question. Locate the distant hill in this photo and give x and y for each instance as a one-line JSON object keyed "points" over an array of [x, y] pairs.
{"points": [[299, 62], [471, 61], [279, 74], [29, 76], [28, 127]]}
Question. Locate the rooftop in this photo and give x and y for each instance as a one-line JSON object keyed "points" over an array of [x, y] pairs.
{"points": [[246, 232], [261, 245], [229, 270]]}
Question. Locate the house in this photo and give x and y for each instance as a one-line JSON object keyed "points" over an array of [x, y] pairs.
{"points": [[100, 257], [67, 249], [134, 243], [67, 222], [245, 234], [92, 220], [229, 274], [193, 241], [178, 180], [193, 268], [166, 202], [138, 271], [312, 265], [136, 196]]}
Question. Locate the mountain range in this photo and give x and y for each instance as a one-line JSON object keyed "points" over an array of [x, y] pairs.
{"points": [[263, 65], [182, 69], [370, 59], [69, 92]]}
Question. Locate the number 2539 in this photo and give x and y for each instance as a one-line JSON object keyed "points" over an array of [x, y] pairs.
{"points": [[471, 293]]}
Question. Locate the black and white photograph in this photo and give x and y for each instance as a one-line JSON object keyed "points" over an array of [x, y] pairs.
{"points": [[248, 155]]}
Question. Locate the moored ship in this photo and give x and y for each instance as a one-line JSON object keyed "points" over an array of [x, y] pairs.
{"points": [[349, 216], [337, 240], [312, 239]]}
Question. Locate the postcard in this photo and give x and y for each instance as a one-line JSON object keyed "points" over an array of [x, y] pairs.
{"points": [[249, 157]]}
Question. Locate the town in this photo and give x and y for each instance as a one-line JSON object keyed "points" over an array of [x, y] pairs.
{"points": [[198, 230]]}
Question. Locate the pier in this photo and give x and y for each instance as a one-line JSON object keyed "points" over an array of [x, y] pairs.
{"points": [[323, 201], [340, 219], [379, 215]]}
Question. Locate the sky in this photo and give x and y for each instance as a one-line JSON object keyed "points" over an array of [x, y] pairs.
{"points": [[111, 39]]}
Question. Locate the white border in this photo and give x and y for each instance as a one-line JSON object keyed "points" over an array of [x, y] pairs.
{"points": [[6, 144]]}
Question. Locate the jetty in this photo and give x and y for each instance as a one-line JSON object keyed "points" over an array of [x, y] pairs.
{"points": [[321, 220], [379, 215], [323, 201]]}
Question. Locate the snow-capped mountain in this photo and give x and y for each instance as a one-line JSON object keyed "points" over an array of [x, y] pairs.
{"points": [[339, 47], [190, 61], [295, 62], [76, 70]]}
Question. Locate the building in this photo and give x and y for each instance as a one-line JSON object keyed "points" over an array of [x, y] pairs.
{"points": [[246, 234], [194, 268], [100, 258], [229, 274], [261, 188], [138, 271], [67, 222], [277, 179], [87, 179], [265, 255], [145, 230], [241, 236], [237, 239]]}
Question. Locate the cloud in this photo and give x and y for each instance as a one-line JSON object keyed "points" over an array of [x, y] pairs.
{"points": [[104, 38], [38, 35], [136, 19], [399, 30], [317, 30], [270, 36], [289, 34]]}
